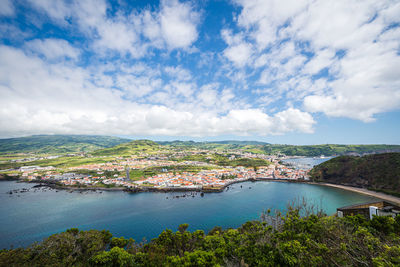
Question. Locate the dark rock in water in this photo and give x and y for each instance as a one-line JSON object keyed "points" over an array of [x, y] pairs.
{"points": [[39, 185], [249, 187], [240, 186], [192, 196], [10, 193], [202, 194]]}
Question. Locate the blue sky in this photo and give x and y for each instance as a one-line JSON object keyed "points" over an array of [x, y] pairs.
{"points": [[295, 72]]}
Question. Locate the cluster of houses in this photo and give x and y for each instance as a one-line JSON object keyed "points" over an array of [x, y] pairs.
{"points": [[221, 177], [135, 164], [214, 176]]}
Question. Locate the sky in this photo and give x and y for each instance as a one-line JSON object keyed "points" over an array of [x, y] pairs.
{"points": [[280, 71]]}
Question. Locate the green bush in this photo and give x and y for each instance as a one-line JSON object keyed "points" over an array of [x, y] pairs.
{"points": [[309, 240]]}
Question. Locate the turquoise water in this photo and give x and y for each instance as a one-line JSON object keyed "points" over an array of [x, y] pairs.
{"points": [[33, 216]]}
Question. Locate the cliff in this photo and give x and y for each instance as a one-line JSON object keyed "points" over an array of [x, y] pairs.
{"points": [[379, 172]]}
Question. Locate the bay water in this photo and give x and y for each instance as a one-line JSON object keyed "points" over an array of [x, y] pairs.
{"points": [[38, 213]]}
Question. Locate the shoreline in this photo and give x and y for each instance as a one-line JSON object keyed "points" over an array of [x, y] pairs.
{"points": [[379, 195], [383, 196], [205, 189]]}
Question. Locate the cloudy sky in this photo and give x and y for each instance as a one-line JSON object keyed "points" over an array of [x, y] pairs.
{"points": [[298, 72]]}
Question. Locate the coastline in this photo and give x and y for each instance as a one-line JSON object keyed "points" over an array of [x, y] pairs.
{"points": [[363, 191], [206, 189], [383, 196]]}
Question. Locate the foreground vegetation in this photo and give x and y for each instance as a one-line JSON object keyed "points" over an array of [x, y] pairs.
{"points": [[290, 240], [380, 172]]}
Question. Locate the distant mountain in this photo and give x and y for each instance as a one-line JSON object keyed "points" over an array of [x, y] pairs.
{"points": [[224, 142], [177, 143], [247, 146], [132, 147], [329, 149], [289, 150], [58, 143], [378, 172], [90, 143], [235, 142]]}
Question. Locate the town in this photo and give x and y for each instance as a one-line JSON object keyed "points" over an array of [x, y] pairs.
{"points": [[169, 171]]}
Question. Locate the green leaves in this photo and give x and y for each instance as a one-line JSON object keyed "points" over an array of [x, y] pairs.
{"points": [[300, 241], [115, 257]]}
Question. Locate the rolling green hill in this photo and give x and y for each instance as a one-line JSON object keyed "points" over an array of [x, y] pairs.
{"points": [[289, 150], [52, 144], [329, 149], [225, 142], [58, 143], [378, 172], [133, 147], [247, 146]]}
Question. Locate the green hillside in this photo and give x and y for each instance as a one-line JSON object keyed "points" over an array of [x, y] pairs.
{"points": [[378, 172], [130, 148], [246, 146], [108, 145], [328, 150], [289, 150], [58, 143]]}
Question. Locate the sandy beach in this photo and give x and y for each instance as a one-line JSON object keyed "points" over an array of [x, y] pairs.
{"points": [[383, 196]]}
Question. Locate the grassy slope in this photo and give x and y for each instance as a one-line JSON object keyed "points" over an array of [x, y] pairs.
{"points": [[133, 147], [329, 149], [290, 150], [61, 162], [380, 171], [58, 143]]}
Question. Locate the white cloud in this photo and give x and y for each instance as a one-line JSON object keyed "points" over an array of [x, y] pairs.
{"points": [[66, 99], [6, 8], [119, 36], [323, 58], [178, 73], [57, 10], [136, 71], [239, 54], [238, 50], [264, 17], [152, 29], [53, 49], [137, 86], [355, 41], [173, 26], [178, 24], [366, 85]]}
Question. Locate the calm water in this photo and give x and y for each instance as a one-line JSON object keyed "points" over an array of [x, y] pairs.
{"points": [[33, 215], [306, 162]]}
